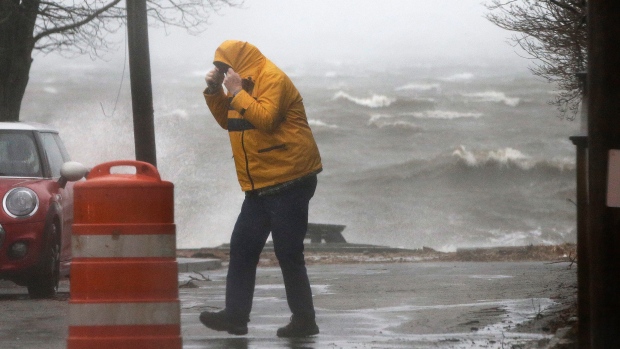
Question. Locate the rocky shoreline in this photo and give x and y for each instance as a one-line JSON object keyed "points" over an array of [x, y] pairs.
{"points": [[354, 253]]}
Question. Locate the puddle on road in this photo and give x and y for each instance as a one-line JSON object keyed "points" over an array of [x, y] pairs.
{"points": [[381, 325], [379, 328]]}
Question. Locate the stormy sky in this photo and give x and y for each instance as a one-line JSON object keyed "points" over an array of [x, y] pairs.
{"points": [[358, 31], [369, 32]]}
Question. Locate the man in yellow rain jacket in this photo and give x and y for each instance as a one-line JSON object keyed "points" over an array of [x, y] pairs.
{"points": [[277, 161]]}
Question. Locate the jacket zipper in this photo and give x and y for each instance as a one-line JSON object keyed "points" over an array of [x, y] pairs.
{"points": [[247, 162]]}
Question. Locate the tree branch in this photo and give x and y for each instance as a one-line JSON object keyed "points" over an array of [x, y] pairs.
{"points": [[554, 38], [564, 6], [76, 25]]}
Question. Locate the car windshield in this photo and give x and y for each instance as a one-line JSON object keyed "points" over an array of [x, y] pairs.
{"points": [[18, 155]]}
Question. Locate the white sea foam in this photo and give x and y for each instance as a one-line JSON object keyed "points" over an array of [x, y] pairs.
{"points": [[319, 123], [505, 157], [509, 157], [419, 87], [387, 120], [563, 163], [493, 96], [518, 311], [442, 114], [376, 101], [458, 77], [376, 117], [50, 89], [500, 237], [503, 237], [181, 113]]}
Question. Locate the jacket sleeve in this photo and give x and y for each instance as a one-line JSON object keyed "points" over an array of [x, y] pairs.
{"points": [[268, 110], [218, 104]]}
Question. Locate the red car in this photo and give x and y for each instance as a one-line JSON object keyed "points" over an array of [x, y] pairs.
{"points": [[37, 206]]}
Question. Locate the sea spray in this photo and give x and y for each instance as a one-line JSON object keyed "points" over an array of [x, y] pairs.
{"points": [[466, 164]]}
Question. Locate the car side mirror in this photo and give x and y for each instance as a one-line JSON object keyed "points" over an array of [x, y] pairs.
{"points": [[70, 172]]}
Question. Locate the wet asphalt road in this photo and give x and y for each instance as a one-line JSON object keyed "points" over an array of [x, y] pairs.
{"points": [[407, 305]]}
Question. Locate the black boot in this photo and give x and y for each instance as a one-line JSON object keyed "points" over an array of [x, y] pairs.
{"points": [[220, 321], [299, 327]]}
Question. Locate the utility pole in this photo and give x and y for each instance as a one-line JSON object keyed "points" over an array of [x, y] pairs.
{"points": [[603, 135], [140, 76]]}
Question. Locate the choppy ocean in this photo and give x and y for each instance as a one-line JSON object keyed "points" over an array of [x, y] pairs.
{"points": [[444, 157]]}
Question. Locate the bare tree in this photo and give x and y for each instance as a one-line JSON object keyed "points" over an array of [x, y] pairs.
{"points": [[553, 34], [75, 27]]}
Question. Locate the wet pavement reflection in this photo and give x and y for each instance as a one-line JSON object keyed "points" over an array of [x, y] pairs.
{"points": [[448, 305], [408, 305]]}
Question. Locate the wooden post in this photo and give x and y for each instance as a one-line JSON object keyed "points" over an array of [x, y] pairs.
{"points": [[583, 262]]}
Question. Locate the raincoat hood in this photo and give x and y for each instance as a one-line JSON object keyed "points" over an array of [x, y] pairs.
{"points": [[243, 57], [271, 139]]}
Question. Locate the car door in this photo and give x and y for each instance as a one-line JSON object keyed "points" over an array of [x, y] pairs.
{"points": [[57, 155]]}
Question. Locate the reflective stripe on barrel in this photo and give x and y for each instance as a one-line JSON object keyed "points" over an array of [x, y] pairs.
{"points": [[125, 240], [114, 314]]}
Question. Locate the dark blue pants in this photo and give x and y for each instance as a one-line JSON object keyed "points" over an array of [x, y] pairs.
{"points": [[285, 215]]}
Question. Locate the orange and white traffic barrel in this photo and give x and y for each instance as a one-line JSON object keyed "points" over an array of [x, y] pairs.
{"points": [[124, 275]]}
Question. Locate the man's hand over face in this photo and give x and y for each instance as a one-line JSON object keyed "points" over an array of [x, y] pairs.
{"points": [[214, 78], [232, 81]]}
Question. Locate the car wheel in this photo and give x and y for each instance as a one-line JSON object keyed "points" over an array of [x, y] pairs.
{"points": [[44, 283]]}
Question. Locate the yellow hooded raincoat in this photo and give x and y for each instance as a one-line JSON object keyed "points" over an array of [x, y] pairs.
{"points": [[269, 133]]}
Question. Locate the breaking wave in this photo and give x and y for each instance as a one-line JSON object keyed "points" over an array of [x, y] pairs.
{"points": [[442, 114], [419, 87], [376, 101], [50, 89], [508, 158], [320, 123], [494, 96], [388, 121], [458, 77]]}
